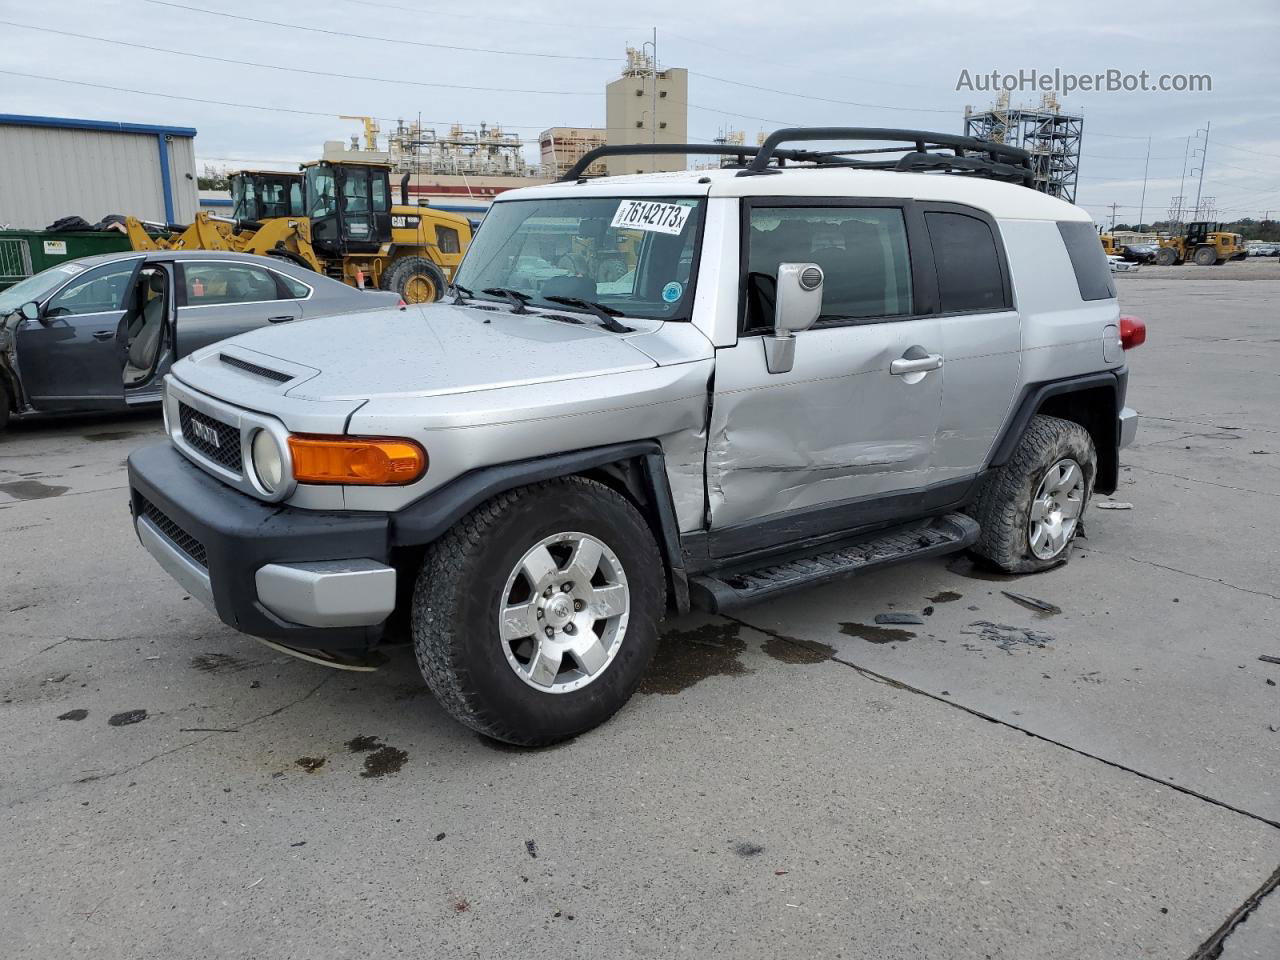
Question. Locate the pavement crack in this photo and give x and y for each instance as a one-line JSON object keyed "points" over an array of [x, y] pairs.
{"points": [[1212, 948], [881, 678], [1185, 573], [1211, 483]]}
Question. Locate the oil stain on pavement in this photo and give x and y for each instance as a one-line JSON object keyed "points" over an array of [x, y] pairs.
{"points": [[876, 634], [688, 656], [32, 489]]}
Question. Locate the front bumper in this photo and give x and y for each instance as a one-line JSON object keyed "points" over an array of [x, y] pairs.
{"points": [[309, 578]]}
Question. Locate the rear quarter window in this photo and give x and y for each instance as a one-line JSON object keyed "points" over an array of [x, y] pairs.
{"points": [[970, 278], [1093, 273]]}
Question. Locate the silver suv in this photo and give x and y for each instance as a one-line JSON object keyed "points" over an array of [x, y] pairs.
{"points": [[651, 393]]}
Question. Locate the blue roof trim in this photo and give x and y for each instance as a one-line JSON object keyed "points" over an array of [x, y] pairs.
{"points": [[71, 123], [215, 202]]}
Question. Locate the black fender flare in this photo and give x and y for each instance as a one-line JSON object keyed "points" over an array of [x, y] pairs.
{"points": [[639, 466]]}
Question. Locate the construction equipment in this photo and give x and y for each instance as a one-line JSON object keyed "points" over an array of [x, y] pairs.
{"points": [[348, 230], [1109, 245], [264, 194], [1202, 242]]}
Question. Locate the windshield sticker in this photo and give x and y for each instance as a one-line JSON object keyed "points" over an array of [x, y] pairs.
{"points": [[671, 292], [652, 216], [70, 269]]}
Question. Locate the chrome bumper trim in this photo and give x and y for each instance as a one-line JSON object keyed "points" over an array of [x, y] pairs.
{"points": [[330, 593], [193, 577]]}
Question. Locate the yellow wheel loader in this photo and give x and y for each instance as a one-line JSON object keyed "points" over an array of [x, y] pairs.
{"points": [[348, 230], [1203, 243]]}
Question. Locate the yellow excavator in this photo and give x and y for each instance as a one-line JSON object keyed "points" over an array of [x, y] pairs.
{"points": [[348, 229]]}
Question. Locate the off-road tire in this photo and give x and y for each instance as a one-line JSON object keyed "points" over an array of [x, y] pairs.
{"points": [[459, 593], [1003, 508], [1206, 256], [407, 272], [1166, 257]]}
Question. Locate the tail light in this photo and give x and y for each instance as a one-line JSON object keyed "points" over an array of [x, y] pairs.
{"points": [[1133, 332]]}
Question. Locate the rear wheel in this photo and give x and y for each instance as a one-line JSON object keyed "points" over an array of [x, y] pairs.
{"points": [[1032, 509], [536, 616], [1166, 256], [416, 279], [1206, 256]]}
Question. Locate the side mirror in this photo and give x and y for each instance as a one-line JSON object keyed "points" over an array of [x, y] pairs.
{"points": [[797, 306], [30, 310]]}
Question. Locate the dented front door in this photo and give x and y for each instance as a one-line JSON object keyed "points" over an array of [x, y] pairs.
{"points": [[851, 426]]}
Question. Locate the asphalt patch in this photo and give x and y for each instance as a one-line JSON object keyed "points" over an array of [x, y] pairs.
{"points": [[945, 596], [687, 656], [73, 715], [32, 489], [383, 761], [127, 717]]}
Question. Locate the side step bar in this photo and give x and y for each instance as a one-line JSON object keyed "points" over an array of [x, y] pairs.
{"points": [[733, 587]]}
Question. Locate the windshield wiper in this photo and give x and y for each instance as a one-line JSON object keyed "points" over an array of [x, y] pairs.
{"points": [[604, 314], [461, 295], [513, 297]]}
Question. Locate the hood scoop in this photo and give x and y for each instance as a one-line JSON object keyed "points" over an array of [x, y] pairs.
{"points": [[257, 369]]}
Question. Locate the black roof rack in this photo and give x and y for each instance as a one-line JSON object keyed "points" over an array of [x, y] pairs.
{"points": [[916, 151]]}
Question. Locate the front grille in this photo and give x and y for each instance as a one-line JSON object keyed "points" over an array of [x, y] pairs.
{"points": [[212, 438], [255, 369], [188, 544]]}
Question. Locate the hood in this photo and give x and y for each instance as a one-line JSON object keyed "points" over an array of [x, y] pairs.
{"points": [[436, 349]]}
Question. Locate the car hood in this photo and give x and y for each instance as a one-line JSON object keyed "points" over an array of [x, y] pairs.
{"points": [[431, 350]]}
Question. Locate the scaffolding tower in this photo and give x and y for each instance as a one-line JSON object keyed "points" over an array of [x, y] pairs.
{"points": [[1049, 135]]}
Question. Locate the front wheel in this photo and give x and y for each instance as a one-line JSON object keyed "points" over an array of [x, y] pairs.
{"points": [[1206, 256], [416, 279], [1166, 257], [536, 616], [1031, 510]]}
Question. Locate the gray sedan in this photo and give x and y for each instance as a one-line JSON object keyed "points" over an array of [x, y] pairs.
{"points": [[99, 334]]}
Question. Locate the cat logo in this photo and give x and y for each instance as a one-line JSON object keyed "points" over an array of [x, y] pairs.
{"points": [[403, 221]]}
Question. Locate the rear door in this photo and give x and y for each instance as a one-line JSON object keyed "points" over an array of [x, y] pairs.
{"points": [[218, 299], [843, 438], [73, 357]]}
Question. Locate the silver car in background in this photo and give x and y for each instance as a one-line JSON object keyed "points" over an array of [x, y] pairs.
{"points": [[99, 333]]}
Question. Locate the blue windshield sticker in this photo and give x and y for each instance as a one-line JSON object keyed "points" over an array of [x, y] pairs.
{"points": [[672, 291]]}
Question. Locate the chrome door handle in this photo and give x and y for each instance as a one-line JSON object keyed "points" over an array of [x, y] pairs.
{"points": [[903, 366], [104, 335], [284, 319]]}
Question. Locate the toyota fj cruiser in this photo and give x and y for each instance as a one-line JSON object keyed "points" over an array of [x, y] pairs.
{"points": [[651, 393]]}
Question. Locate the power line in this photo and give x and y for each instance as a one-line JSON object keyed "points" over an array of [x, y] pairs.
{"points": [[1247, 150], [302, 70], [492, 19], [348, 35]]}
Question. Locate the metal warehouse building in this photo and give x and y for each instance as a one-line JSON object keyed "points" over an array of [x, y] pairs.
{"points": [[53, 167]]}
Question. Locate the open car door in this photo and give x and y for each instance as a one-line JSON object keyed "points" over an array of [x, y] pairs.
{"points": [[72, 356]]}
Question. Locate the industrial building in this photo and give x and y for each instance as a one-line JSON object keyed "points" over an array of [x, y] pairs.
{"points": [[562, 147], [1052, 137], [647, 105], [56, 167]]}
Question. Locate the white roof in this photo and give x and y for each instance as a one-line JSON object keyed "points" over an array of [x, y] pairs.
{"points": [[1006, 201]]}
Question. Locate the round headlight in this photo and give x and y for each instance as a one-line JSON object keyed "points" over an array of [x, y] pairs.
{"points": [[268, 462]]}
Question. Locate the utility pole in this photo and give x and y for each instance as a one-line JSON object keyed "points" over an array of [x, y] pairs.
{"points": [[1142, 206], [654, 118], [1113, 216], [1204, 156]]}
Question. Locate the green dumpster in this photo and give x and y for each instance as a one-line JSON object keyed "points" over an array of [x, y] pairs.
{"points": [[26, 252]]}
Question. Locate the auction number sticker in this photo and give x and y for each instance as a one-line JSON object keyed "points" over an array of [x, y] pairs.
{"points": [[651, 215]]}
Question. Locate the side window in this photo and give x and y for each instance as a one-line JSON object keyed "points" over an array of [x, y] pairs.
{"points": [[1093, 273], [862, 252], [220, 283], [355, 191], [447, 240], [294, 288], [295, 199], [378, 184], [967, 263], [101, 290]]}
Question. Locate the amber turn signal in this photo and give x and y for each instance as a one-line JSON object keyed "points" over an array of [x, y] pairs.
{"points": [[370, 461]]}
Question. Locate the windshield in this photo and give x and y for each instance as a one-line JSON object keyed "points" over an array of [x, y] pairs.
{"points": [[37, 287], [634, 254]]}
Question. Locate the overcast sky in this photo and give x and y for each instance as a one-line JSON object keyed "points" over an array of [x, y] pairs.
{"points": [[900, 61]]}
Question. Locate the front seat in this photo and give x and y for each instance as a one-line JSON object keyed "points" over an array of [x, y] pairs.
{"points": [[145, 344]]}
